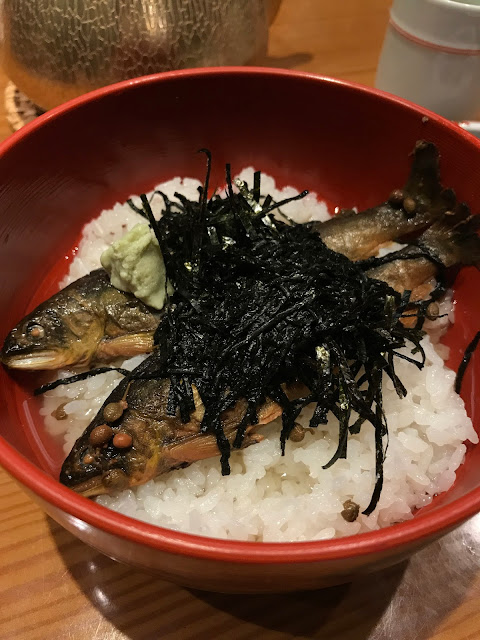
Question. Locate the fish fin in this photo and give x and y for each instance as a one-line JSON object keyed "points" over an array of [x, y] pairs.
{"points": [[128, 345], [194, 449], [205, 446]]}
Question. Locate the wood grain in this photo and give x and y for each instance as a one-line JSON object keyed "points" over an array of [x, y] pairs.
{"points": [[53, 586]]}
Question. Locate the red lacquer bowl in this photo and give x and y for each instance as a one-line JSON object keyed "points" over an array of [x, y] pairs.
{"points": [[348, 143]]}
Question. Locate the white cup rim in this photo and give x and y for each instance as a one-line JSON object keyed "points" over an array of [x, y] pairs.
{"points": [[447, 24], [457, 5]]}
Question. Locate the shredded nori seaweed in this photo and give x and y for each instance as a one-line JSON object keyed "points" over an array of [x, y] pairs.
{"points": [[262, 307], [49, 386], [469, 351]]}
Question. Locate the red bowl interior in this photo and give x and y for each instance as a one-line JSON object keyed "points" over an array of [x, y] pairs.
{"points": [[347, 143]]}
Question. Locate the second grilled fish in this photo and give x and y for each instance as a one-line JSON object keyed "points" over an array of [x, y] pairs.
{"points": [[88, 320], [408, 211]]}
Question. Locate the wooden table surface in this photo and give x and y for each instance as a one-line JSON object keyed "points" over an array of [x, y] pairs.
{"points": [[53, 586]]}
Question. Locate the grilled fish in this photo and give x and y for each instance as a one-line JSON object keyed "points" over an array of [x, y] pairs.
{"points": [[88, 320], [408, 211], [144, 441]]}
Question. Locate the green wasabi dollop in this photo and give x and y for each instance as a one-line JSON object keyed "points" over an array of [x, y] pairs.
{"points": [[135, 264]]}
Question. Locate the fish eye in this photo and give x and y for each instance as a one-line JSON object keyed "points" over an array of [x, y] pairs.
{"points": [[35, 330]]}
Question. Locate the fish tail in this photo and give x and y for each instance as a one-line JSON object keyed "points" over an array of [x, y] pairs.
{"points": [[453, 238]]}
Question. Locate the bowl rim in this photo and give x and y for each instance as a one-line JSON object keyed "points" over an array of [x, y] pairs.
{"points": [[433, 523]]}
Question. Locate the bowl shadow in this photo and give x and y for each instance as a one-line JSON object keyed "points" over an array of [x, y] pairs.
{"points": [[405, 601]]}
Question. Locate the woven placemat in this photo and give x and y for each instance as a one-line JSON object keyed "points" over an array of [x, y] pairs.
{"points": [[20, 110]]}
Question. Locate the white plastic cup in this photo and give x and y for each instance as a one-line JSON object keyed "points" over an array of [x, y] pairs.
{"points": [[431, 56]]}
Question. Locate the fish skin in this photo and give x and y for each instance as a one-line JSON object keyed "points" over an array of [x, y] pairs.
{"points": [[88, 320], [361, 235], [161, 442]]}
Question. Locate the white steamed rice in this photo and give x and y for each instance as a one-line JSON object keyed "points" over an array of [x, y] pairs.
{"points": [[269, 497]]}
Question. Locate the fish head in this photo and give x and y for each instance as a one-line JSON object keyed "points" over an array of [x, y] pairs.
{"points": [[52, 337], [99, 463]]}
